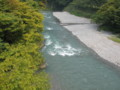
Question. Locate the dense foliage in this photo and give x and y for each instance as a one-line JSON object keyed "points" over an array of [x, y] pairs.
{"points": [[84, 7], [109, 15], [20, 42], [58, 4], [38, 4], [108, 12]]}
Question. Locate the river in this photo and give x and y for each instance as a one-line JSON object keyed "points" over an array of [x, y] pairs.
{"points": [[71, 64]]}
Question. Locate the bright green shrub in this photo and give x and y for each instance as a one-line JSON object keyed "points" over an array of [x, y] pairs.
{"points": [[10, 27], [20, 43], [17, 70]]}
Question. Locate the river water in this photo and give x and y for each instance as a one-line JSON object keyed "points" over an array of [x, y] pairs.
{"points": [[71, 64]]}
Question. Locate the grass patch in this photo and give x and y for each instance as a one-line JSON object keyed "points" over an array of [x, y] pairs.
{"points": [[115, 39]]}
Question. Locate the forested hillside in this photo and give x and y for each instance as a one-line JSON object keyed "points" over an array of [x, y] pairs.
{"points": [[104, 12], [58, 5], [84, 7], [20, 43]]}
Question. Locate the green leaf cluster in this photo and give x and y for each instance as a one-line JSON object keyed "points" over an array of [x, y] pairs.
{"points": [[20, 43], [109, 14], [36, 4]]}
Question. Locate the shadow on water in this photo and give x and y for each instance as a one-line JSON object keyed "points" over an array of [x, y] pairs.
{"points": [[72, 65]]}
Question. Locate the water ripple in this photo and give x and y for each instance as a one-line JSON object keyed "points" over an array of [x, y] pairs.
{"points": [[66, 50]]}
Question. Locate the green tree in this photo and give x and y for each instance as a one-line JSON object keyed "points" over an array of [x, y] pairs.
{"points": [[109, 14], [20, 42]]}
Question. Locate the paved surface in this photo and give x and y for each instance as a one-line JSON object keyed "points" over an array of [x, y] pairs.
{"points": [[65, 18], [88, 34]]}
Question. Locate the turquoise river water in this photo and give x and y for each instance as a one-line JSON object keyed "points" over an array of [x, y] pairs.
{"points": [[72, 65]]}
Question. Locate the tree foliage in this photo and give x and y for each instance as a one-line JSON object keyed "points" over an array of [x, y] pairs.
{"points": [[109, 14], [94, 4], [84, 7], [20, 42], [58, 4]]}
